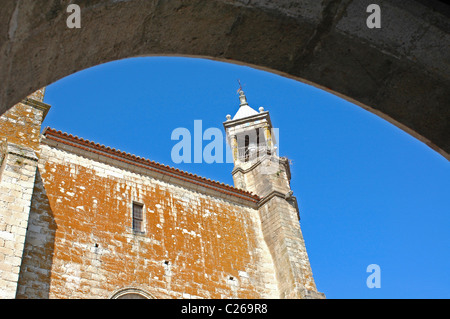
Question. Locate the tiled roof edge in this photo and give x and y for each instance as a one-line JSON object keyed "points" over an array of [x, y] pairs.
{"points": [[136, 160]]}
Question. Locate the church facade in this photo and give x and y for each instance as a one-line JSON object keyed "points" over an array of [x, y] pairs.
{"points": [[83, 220]]}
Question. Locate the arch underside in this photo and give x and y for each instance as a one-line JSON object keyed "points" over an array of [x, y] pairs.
{"points": [[400, 72]]}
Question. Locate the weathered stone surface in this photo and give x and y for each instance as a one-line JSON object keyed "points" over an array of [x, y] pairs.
{"points": [[400, 72], [80, 242], [16, 184], [19, 149]]}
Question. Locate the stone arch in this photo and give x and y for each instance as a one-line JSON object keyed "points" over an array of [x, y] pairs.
{"points": [[399, 72], [131, 293]]}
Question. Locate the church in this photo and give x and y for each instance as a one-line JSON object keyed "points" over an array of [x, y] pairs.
{"points": [[83, 220]]}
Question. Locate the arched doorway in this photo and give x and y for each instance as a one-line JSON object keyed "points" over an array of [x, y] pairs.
{"points": [[131, 293]]}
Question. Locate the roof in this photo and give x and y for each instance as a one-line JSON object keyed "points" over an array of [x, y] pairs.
{"points": [[128, 158], [244, 111]]}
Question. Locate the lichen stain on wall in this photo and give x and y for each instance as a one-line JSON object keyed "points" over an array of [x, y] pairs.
{"points": [[21, 125], [193, 243]]}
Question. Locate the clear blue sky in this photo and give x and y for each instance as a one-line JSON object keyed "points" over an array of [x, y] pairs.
{"points": [[368, 192]]}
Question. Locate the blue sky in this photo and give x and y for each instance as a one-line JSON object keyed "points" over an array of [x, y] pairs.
{"points": [[368, 192]]}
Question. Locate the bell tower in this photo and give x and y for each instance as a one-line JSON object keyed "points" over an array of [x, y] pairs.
{"points": [[259, 169]]}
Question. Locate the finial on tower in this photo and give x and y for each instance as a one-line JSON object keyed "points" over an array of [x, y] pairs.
{"points": [[242, 98], [240, 86]]}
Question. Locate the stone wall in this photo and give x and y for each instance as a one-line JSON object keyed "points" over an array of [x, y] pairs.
{"points": [[269, 178], [21, 124], [19, 136], [80, 242], [284, 238]]}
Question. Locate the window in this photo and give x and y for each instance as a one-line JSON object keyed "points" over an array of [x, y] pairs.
{"points": [[138, 218], [246, 144]]}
